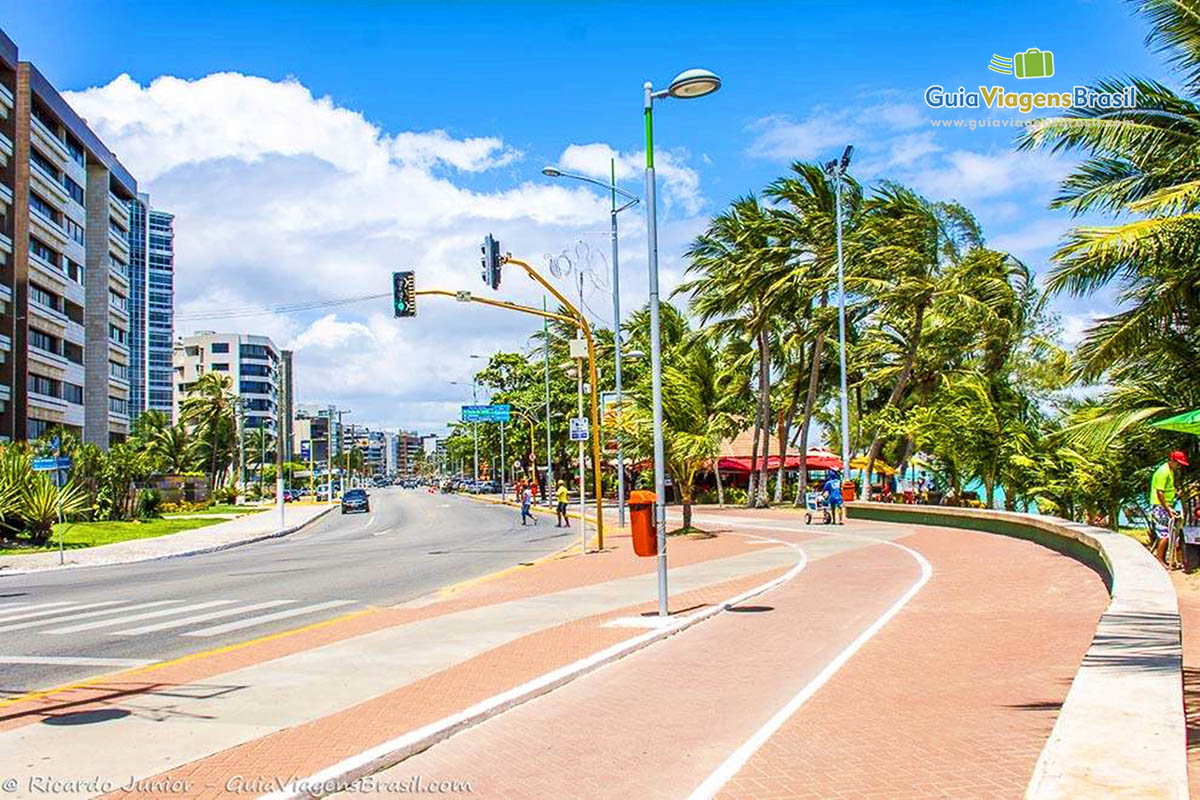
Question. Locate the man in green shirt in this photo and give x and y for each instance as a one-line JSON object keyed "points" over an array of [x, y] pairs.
{"points": [[1162, 502]]}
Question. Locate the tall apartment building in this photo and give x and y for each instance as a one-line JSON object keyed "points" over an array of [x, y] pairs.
{"points": [[252, 362], [151, 307], [64, 283]]}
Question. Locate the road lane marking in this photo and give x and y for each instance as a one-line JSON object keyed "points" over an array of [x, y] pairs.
{"points": [[716, 781], [179, 623], [77, 661], [71, 617], [260, 620], [105, 623], [62, 609], [369, 521]]}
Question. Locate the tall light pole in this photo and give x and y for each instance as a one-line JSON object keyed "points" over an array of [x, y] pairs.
{"points": [[630, 200], [837, 171], [687, 84], [549, 447]]}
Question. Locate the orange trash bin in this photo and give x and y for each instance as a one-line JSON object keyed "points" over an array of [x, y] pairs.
{"points": [[849, 490], [641, 520]]}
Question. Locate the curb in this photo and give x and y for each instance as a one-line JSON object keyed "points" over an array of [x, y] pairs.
{"points": [[5, 572], [338, 777]]}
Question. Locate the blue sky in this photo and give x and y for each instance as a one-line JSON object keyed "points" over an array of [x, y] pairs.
{"points": [[352, 138]]}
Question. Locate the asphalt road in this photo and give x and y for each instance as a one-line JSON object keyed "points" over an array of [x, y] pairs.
{"points": [[57, 627]]}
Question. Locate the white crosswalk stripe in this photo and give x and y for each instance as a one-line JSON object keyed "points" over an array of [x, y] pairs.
{"points": [[62, 609], [72, 617], [181, 623], [105, 623], [127, 620], [265, 618]]}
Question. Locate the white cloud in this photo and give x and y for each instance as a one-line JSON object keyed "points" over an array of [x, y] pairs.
{"points": [[679, 183], [281, 197]]}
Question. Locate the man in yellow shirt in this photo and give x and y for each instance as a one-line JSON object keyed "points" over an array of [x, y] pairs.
{"points": [[561, 496], [1162, 502]]}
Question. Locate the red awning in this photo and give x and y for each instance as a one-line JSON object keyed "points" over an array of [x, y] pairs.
{"points": [[815, 460]]}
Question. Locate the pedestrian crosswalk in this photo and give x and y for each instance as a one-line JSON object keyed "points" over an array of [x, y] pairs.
{"points": [[118, 618]]}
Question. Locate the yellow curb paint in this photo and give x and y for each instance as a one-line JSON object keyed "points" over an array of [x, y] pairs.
{"points": [[66, 687]]}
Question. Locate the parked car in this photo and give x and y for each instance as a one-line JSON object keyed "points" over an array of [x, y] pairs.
{"points": [[355, 500]]}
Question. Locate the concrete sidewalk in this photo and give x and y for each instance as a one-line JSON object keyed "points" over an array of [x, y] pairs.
{"points": [[297, 703], [242, 530]]}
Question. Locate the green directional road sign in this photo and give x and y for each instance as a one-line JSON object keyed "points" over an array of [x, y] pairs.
{"points": [[500, 412]]}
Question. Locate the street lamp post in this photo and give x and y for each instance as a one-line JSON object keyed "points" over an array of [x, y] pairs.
{"points": [[630, 200], [687, 84], [549, 446], [837, 171]]}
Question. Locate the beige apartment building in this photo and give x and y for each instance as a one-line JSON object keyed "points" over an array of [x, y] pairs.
{"points": [[260, 373], [64, 256]]}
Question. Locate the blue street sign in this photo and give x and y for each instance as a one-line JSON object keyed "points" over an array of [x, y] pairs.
{"points": [[500, 412], [45, 464], [305, 450]]}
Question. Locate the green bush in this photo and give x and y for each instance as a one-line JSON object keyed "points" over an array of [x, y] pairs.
{"points": [[149, 503]]}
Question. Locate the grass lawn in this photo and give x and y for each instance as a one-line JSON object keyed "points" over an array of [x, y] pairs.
{"points": [[92, 534]]}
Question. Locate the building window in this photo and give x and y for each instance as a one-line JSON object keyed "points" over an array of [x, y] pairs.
{"points": [[45, 298], [73, 352], [118, 406], [43, 341], [38, 204], [43, 251], [43, 116], [118, 370], [34, 428], [220, 367], [117, 301], [74, 270], [220, 347], [44, 164], [73, 229], [73, 393], [40, 384], [116, 334], [76, 151]]}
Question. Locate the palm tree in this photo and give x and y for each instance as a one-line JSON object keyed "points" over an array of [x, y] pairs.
{"points": [[1141, 166], [169, 445], [209, 409], [806, 226], [911, 243], [732, 257]]}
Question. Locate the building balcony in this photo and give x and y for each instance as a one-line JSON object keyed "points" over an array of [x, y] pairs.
{"points": [[52, 360], [121, 243], [53, 273], [6, 149], [57, 319], [6, 194], [47, 402], [118, 349], [118, 279], [119, 211], [51, 146], [48, 230], [5, 245], [5, 392], [7, 101], [49, 188]]}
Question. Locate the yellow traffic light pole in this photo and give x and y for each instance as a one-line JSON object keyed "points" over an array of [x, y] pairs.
{"points": [[578, 320]]}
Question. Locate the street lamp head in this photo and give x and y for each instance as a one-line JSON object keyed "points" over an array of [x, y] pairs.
{"points": [[551, 172], [694, 83], [634, 355]]}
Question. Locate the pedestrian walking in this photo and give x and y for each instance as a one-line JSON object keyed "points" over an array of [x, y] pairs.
{"points": [[561, 495], [1162, 503], [526, 502]]}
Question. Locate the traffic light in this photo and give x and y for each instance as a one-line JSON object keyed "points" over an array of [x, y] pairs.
{"points": [[491, 261], [404, 294]]}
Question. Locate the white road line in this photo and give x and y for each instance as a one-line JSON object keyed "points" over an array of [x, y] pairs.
{"points": [[369, 521], [71, 617], [63, 608], [721, 775], [30, 606], [104, 623], [179, 623], [77, 661], [253, 621]]}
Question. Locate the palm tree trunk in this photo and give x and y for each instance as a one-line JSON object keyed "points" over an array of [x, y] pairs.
{"points": [[720, 487], [752, 483], [814, 378], [785, 429], [764, 388], [910, 360]]}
